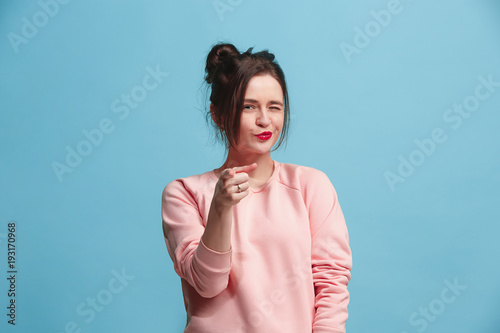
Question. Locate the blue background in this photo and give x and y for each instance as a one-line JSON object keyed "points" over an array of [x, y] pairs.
{"points": [[355, 117]]}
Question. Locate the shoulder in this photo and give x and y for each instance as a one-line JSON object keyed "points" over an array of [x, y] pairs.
{"points": [[314, 186], [299, 176]]}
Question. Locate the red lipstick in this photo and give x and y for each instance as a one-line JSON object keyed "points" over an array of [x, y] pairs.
{"points": [[264, 136]]}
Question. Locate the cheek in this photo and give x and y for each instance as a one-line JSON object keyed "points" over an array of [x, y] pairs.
{"points": [[279, 122]]}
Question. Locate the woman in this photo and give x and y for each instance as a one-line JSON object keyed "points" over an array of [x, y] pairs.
{"points": [[260, 246]]}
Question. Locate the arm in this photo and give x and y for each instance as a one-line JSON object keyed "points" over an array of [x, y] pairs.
{"points": [[330, 257], [217, 233], [206, 270]]}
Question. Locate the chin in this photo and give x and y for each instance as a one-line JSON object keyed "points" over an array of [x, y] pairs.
{"points": [[259, 151]]}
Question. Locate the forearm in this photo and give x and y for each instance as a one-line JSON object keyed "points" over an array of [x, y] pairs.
{"points": [[217, 234]]}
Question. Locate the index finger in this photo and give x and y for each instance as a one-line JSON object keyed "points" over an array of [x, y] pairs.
{"points": [[245, 168], [229, 173]]}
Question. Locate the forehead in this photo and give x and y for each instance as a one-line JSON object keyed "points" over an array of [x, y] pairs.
{"points": [[263, 86]]}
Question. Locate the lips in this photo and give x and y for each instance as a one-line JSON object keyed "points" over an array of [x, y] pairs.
{"points": [[264, 135]]}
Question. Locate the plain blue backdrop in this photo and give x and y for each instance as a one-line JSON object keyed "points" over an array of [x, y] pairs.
{"points": [[103, 104]]}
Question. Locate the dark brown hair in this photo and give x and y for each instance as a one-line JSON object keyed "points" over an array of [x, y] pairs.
{"points": [[228, 72]]}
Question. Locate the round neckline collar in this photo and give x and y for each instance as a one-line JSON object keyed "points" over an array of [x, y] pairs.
{"points": [[276, 166]]}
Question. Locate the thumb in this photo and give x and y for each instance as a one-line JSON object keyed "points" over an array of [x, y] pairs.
{"points": [[228, 173]]}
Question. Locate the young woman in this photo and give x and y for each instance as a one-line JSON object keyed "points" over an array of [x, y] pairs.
{"points": [[259, 245]]}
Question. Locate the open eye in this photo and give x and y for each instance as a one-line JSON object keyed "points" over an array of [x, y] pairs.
{"points": [[248, 107]]}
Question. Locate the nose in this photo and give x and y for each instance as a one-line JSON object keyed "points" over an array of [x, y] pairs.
{"points": [[263, 119]]}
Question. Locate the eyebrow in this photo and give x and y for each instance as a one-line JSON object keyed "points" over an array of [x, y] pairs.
{"points": [[255, 101]]}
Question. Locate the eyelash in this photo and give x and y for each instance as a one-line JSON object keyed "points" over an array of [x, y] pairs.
{"points": [[273, 107]]}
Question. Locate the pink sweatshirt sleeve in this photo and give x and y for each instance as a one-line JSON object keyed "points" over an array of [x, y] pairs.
{"points": [[206, 270], [331, 255]]}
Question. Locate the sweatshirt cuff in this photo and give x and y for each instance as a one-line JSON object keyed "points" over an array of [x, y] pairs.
{"points": [[323, 329], [213, 260]]}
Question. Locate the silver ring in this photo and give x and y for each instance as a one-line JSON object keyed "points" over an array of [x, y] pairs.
{"points": [[239, 188]]}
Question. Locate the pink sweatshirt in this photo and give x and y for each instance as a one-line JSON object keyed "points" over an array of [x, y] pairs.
{"points": [[289, 263]]}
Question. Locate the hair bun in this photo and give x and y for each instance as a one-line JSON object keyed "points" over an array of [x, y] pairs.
{"points": [[219, 54]]}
